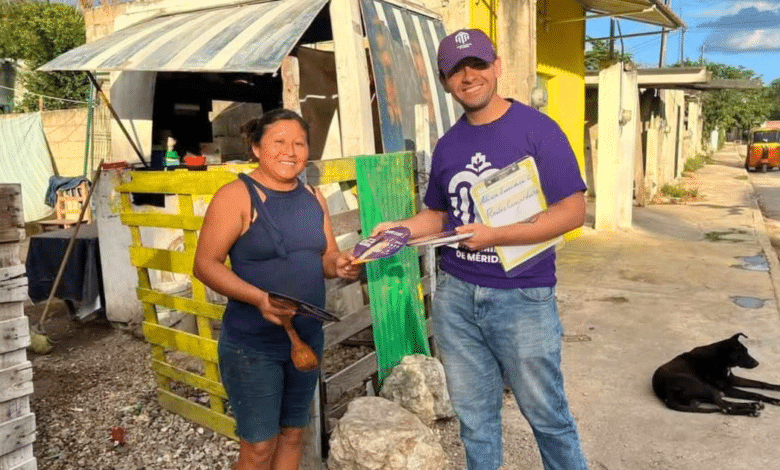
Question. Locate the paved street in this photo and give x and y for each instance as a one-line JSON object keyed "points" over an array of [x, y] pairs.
{"points": [[686, 275]]}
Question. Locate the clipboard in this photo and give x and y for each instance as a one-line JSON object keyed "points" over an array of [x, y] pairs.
{"points": [[511, 195]]}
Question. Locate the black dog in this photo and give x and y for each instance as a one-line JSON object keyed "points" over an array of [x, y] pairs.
{"points": [[703, 376]]}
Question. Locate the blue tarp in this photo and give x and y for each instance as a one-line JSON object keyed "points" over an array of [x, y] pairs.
{"points": [[25, 159]]}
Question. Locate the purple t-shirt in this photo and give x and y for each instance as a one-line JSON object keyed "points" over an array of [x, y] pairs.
{"points": [[466, 154]]}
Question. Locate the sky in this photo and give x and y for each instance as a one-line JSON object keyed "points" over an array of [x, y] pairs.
{"points": [[734, 32]]}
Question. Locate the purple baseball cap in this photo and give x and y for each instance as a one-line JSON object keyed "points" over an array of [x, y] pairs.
{"points": [[464, 43]]}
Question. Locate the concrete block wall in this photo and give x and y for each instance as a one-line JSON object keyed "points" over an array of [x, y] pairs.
{"points": [[66, 132], [99, 21]]}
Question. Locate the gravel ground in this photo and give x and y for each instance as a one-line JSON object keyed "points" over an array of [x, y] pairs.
{"points": [[98, 378]]}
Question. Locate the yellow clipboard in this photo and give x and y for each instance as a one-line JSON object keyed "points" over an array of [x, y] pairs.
{"points": [[511, 195]]}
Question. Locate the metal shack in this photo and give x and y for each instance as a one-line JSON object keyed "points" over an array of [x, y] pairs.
{"points": [[362, 72]]}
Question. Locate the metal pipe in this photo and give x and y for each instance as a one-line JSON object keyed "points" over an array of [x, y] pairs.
{"points": [[603, 15], [117, 119], [632, 35]]}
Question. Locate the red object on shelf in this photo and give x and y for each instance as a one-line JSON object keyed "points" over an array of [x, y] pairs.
{"points": [[194, 160]]}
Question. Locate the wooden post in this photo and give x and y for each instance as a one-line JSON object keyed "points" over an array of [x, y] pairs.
{"points": [[291, 78], [357, 128]]}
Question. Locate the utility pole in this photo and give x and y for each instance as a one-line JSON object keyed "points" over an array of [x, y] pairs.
{"points": [[701, 57], [662, 59], [611, 38], [682, 46]]}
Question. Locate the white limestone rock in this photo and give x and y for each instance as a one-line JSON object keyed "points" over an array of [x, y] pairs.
{"points": [[377, 434], [418, 384]]}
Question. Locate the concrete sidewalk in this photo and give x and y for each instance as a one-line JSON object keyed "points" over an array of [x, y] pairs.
{"points": [[685, 276]]}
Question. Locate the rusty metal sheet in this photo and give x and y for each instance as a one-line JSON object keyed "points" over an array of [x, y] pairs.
{"points": [[403, 47]]}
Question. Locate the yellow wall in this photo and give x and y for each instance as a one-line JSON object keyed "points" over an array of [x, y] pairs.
{"points": [[482, 15], [560, 57]]}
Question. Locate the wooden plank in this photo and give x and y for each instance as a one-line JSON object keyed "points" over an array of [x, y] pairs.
{"points": [[17, 433], [19, 459], [336, 170], [30, 464], [197, 413], [13, 290], [348, 326], [183, 376], [163, 260], [12, 358], [10, 254], [350, 377], [15, 408], [291, 79], [12, 235], [181, 304], [176, 182], [10, 272], [357, 128], [178, 340], [14, 334], [10, 310], [10, 189], [146, 219], [16, 381]]}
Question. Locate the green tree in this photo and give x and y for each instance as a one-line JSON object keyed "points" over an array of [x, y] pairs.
{"points": [[774, 96], [599, 54], [733, 108], [35, 33]]}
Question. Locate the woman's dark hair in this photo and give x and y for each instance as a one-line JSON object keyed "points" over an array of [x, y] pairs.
{"points": [[254, 130]]}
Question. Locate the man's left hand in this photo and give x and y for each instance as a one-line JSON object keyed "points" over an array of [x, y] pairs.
{"points": [[483, 236]]}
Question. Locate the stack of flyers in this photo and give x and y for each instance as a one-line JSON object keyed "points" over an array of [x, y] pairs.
{"points": [[383, 245], [305, 309], [450, 238]]}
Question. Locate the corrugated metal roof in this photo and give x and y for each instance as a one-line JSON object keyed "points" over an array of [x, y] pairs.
{"points": [[251, 37], [647, 11]]}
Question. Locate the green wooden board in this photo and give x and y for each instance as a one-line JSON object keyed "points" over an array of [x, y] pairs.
{"points": [[386, 192]]}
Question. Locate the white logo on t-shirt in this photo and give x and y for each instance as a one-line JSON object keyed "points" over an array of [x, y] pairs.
{"points": [[459, 189]]}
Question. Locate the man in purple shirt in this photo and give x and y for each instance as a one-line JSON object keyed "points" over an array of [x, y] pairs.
{"points": [[489, 324]]}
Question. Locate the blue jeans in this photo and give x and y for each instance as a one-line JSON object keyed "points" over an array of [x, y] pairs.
{"points": [[484, 334], [265, 390]]}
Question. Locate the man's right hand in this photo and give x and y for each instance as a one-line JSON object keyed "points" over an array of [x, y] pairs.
{"points": [[382, 226]]}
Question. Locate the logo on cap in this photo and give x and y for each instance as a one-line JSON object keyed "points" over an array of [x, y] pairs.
{"points": [[462, 38]]}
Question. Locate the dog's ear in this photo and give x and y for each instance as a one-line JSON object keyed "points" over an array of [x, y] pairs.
{"points": [[736, 336]]}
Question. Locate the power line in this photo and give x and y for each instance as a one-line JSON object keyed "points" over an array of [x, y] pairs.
{"points": [[44, 96]]}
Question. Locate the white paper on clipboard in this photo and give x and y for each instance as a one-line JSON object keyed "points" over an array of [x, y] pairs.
{"points": [[513, 194]]}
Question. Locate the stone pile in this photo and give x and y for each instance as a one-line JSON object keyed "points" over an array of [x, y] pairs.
{"points": [[391, 431]]}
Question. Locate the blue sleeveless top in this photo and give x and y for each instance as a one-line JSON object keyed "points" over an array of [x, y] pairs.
{"points": [[280, 252]]}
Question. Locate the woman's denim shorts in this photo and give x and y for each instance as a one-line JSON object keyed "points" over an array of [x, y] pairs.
{"points": [[265, 390]]}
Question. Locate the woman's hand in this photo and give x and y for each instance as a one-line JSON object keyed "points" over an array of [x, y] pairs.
{"points": [[272, 309], [344, 267]]}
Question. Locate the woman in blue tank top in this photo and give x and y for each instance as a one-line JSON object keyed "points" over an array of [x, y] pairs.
{"points": [[277, 233]]}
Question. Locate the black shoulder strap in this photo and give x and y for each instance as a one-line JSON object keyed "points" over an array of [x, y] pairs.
{"points": [[263, 216]]}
